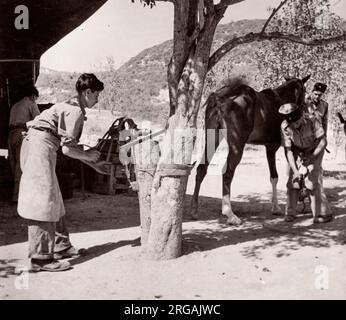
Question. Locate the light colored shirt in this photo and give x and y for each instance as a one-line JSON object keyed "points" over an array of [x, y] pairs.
{"points": [[306, 137], [23, 111], [64, 120]]}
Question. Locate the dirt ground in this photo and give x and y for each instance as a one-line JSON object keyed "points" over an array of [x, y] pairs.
{"points": [[264, 258]]}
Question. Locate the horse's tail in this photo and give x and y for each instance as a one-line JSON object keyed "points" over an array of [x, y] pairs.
{"points": [[231, 90], [211, 111], [215, 108], [235, 82]]}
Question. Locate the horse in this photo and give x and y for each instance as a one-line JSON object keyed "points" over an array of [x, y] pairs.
{"points": [[247, 117]]}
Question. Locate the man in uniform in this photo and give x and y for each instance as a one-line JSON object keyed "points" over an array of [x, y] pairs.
{"points": [[316, 106], [22, 112], [304, 140]]}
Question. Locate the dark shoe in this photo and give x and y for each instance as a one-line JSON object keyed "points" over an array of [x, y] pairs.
{"points": [[71, 252], [323, 219], [49, 265], [290, 218]]}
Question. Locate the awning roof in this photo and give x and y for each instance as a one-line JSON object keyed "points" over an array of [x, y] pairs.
{"points": [[49, 21]]}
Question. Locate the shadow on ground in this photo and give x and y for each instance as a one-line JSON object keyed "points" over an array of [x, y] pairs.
{"points": [[264, 229], [99, 212], [8, 268], [95, 213], [99, 250], [337, 174]]}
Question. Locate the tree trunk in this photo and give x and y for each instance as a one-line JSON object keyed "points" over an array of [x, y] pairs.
{"points": [[168, 192], [193, 38], [145, 176], [168, 195], [165, 237]]}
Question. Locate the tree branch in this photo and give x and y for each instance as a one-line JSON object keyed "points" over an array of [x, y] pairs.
{"points": [[201, 14], [151, 3], [225, 3], [185, 33], [275, 10], [158, 1], [252, 37], [209, 5]]}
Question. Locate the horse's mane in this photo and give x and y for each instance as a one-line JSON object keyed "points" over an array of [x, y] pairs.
{"points": [[268, 91]]}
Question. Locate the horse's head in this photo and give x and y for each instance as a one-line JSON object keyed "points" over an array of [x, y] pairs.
{"points": [[293, 90]]}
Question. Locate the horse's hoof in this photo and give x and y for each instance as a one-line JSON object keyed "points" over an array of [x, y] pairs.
{"points": [[234, 221], [276, 211], [193, 212], [194, 216]]}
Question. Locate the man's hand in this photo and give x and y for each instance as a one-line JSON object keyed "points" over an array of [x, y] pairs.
{"points": [[303, 170]]}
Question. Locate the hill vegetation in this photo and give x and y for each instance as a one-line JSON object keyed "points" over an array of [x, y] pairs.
{"points": [[138, 88]]}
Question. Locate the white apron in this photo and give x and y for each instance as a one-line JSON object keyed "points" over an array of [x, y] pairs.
{"points": [[40, 197]]}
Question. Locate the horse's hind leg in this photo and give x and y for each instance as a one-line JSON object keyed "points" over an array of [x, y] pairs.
{"points": [[201, 173], [202, 168], [234, 156], [270, 152]]}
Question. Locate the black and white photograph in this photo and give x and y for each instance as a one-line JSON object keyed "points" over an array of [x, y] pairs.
{"points": [[172, 150]]}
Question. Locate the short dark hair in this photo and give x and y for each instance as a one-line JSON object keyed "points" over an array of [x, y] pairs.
{"points": [[88, 81], [30, 90]]}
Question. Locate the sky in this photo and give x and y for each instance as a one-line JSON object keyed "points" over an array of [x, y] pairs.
{"points": [[121, 29]]}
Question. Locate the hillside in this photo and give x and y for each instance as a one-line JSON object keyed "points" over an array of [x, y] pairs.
{"points": [[139, 87]]}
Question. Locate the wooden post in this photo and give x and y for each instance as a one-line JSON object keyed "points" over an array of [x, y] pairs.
{"points": [[147, 155]]}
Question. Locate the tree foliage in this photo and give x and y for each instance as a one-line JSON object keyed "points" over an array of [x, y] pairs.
{"points": [[150, 3], [310, 20]]}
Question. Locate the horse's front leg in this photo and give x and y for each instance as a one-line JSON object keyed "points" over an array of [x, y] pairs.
{"points": [[271, 152]]}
